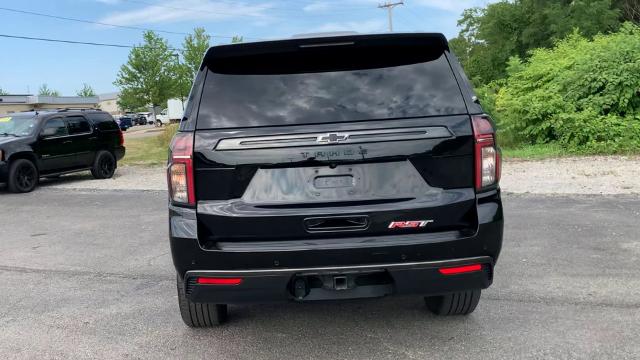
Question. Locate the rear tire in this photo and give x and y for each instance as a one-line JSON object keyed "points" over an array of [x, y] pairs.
{"points": [[104, 166], [23, 176], [158, 123], [199, 315], [459, 303]]}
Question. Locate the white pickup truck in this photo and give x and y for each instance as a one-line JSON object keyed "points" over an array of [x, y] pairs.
{"points": [[173, 112]]}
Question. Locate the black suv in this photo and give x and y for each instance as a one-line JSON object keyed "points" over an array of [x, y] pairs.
{"points": [[333, 168], [51, 143]]}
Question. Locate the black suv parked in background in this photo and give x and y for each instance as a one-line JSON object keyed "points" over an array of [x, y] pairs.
{"points": [[333, 168], [51, 143]]}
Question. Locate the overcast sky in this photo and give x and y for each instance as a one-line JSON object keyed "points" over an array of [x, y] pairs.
{"points": [[26, 64]]}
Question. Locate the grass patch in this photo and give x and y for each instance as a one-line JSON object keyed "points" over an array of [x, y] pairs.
{"points": [[546, 151], [149, 151], [144, 151], [541, 151]]}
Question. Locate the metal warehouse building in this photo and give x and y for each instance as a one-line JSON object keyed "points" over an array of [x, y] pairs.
{"points": [[15, 103]]}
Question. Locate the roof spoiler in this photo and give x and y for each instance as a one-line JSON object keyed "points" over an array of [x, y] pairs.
{"points": [[325, 53]]}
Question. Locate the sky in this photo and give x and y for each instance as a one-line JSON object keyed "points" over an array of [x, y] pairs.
{"points": [[26, 64]]}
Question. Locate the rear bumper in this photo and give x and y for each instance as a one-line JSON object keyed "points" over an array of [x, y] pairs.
{"points": [[395, 264], [119, 152], [308, 284]]}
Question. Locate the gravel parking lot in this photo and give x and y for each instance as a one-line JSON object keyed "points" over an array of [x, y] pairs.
{"points": [[583, 175], [88, 274]]}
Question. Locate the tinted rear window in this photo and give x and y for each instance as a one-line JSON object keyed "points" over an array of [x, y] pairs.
{"points": [[257, 90], [103, 121], [78, 125]]}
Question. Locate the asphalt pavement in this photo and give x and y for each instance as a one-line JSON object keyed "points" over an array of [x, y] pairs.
{"points": [[88, 274]]}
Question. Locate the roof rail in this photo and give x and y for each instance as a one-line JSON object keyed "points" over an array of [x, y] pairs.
{"points": [[75, 109]]}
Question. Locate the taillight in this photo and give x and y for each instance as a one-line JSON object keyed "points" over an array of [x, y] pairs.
{"points": [[487, 156], [120, 137], [180, 170]]}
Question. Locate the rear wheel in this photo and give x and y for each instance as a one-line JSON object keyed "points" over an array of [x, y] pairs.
{"points": [[104, 165], [459, 303], [199, 314], [158, 123], [23, 176]]}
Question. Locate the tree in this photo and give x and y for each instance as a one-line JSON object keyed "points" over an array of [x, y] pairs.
{"points": [[491, 35], [130, 101], [2, 92], [194, 47], [45, 91], [86, 91], [236, 39], [148, 76]]}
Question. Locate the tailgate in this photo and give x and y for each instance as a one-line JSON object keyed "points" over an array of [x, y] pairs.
{"points": [[335, 180]]}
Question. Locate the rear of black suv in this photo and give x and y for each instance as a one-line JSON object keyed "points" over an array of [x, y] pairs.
{"points": [[333, 168]]}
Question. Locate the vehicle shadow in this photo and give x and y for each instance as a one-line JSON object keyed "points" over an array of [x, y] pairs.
{"points": [[395, 327], [51, 182]]}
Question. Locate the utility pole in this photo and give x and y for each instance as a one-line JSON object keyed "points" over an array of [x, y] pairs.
{"points": [[178, 62], [389, 6]]}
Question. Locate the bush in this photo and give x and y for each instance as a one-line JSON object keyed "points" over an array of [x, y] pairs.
{"points": [[582, 94]]}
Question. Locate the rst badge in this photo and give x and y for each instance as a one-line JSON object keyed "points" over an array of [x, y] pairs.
{"points": [[409, 224]]}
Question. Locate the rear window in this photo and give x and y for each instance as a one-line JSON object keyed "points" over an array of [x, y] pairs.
{"points": [[103, 121], [328, 85]]}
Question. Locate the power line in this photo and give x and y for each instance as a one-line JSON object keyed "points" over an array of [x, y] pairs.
{"points": [[193, 10], [202, 10], [75, 42], [409, 21], [92, 22], [186, 9], [104, 24]]}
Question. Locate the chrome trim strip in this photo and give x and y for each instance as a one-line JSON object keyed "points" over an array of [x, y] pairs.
{"points": [[393, 266], [348, 137]]}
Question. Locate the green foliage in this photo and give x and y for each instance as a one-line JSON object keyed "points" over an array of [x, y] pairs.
{"points": [[86, 91], [46, 91], [237, 39], [129, 100], [194, 47], [491, 35], [582, 94], [148, 76], [2, 92]]}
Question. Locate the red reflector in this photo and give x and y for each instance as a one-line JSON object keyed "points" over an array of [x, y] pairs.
{"points": [[219, 281], [460, 269]]}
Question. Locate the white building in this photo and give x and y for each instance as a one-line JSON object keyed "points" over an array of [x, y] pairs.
{"points": [[109, 102]]}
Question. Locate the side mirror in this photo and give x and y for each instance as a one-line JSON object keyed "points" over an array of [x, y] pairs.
{"points": [[48, 132]]}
